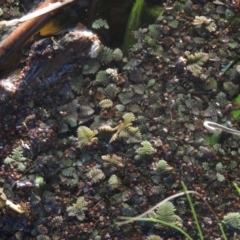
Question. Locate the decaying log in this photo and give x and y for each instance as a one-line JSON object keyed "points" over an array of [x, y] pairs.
{"points": [[11, 45]]}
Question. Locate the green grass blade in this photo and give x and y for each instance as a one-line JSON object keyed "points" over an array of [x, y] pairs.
{"points": [[193, 211]]}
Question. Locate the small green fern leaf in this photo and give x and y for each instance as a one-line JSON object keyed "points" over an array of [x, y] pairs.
{"points": [[195, 62]]}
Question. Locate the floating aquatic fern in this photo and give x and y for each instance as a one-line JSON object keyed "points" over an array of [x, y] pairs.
{"points": [[95, 175], [117, 54], [105, 55], [221, 98], [100, 23], [69, 113], [114, 181], [43, 237], [17, 159], [106, 103], [166, 212], [161, 166], [112, 162], [124, 129], [154, 237], [231, 88], [146, 149], [77, 209], [232, 220], [203, 22], [86, 136], [195, 62]]}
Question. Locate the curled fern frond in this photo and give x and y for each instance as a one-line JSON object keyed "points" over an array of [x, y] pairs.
{"points": [[77, 210]]}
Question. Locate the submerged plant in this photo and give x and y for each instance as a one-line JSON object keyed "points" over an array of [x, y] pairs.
{"points": [[77, 209]]}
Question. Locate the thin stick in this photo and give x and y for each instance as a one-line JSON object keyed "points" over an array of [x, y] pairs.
{"points": [[49, 8]]}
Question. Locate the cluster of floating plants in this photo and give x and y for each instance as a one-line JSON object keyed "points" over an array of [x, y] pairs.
{"points": [[111, 135]]}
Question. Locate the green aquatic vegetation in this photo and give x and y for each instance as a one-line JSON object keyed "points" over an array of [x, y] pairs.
{"points": [[77, 209], [231, 88], [91, 66], [105, 55], [100, 23], [112, 162], [154, 237], [232, 220], [146, 149], [237, 188], [117, 54], [105, 103], [124, 129], [204, 22], [152, 214], [114, 182], [17, 159], [134, 22], [236, 111], [95, 175], [161, 166], [195, 62], [43, 237], [69, 113], [166, 213], [86, 136]]}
